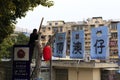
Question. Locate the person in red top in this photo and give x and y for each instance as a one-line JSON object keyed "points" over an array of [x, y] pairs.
{"points": [[33, 37]]}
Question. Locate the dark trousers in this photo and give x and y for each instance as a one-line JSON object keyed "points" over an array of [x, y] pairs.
{"points": [[31, 52]]}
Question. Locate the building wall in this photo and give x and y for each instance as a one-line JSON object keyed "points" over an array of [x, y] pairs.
{"points": [[96, 74], [80, 74], [113, 39], [84, 74], [72, 74]]}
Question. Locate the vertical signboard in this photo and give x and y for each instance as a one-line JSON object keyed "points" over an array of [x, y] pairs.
{"points": [[21, 63], [60, 45], [99, 43], [77, 44], [118, 30]]}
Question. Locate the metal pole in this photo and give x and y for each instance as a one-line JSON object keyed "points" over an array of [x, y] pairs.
{"points": [[50, 69]]}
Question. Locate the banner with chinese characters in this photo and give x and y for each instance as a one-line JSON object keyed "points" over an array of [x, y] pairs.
{"points": [[118, 29], [100, 43], [21, 63], [60, 45], [77, 44]]}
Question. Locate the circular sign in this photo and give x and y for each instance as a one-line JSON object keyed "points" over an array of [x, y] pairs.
{"points": [[20, 53]]}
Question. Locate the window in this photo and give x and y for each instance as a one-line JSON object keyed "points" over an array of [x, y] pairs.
{"points": [[114, 26], [61, 29], [92, 26], [96, 21], [101, 25], [50, 24], [43, 30], [56, 23], [69, 31], [43, 37], [74, 28], [55, 29], [77, 27], [49, 36], [113, 35], [61, 74], [81, 28], [49, 28]]}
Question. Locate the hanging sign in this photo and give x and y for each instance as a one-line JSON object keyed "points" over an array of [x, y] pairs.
{"points": [[77, 44], [21, 63], [99, 43], [60, 45]]}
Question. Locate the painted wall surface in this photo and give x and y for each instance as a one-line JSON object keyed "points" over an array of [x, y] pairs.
{"points": [[84, 74], [96, 74], [72, 74]]}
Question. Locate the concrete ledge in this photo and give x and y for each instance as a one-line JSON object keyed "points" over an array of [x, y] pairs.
{"points": [[77, 63]]}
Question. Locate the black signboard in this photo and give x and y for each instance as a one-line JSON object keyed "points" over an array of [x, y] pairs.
{"points": [[21, 63]]}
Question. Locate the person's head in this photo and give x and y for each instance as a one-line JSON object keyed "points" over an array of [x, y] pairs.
{"points": [[34, 30]]}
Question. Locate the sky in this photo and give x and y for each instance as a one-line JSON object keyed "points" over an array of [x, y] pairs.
{"points": [[71, 10]]}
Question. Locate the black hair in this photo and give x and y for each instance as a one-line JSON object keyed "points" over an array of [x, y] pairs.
{"points": [[34, 30]]}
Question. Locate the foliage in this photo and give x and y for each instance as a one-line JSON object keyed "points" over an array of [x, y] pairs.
{"points": [[22, 39], [6, 47], [10, 10]]}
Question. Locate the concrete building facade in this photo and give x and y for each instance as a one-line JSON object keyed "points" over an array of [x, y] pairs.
{"points": [[76, 70]]}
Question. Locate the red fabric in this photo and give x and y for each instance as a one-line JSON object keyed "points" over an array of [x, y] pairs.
{"points": [[47, 53]]}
